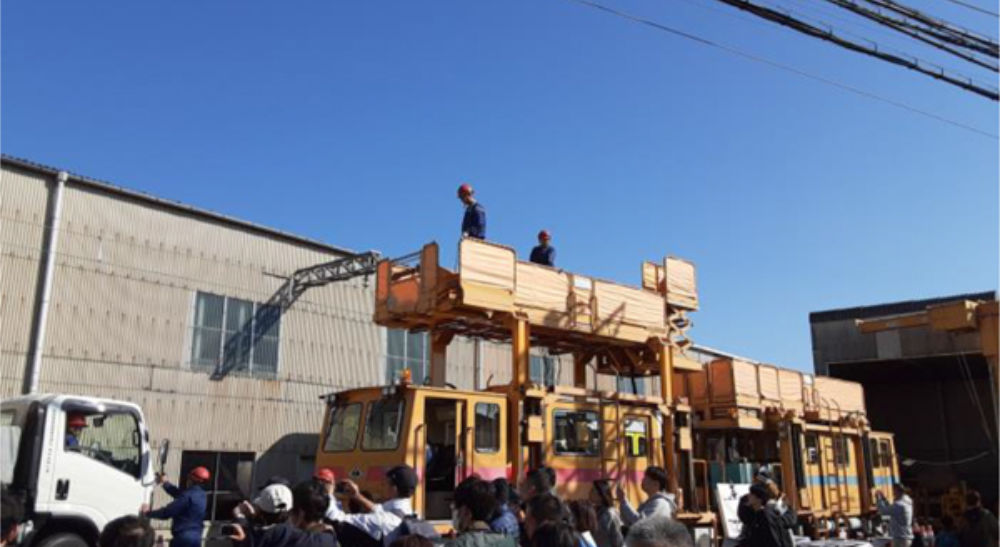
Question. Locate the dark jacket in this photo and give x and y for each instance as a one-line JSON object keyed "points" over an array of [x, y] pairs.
{"points": [[544, 255], [767, 528], [979, 528], [187, 510], [505, 522], [474, 221], [286, 535]]}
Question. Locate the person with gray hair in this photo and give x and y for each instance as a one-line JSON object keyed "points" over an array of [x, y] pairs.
{"points": [[658, 531]]}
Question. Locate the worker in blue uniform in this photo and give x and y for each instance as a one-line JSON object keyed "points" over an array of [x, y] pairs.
{"points": [[474, 221], [75, 423], [544, 253], [187, 510]]}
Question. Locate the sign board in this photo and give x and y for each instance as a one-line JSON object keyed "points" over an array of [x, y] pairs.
{"points": [[727, 497]]}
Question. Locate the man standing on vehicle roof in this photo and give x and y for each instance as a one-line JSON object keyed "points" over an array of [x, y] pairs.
{"points": [[474, 221], [544, 253], [75, 422], [187, 510]]}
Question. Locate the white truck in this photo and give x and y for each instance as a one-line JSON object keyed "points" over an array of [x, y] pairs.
{"points": [[78, 463]]}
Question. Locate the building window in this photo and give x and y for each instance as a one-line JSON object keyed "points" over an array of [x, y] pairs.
{"points": [[543, 370], [487, 427], [235, 335], [625, 385], [576, 432], [232, 479], [406, 351]]}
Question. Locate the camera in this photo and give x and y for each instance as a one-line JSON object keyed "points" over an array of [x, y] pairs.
{"points": [[340, 488]]}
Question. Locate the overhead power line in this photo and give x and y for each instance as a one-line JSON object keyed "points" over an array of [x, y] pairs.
{"points": [[908, 29], [785, 67], [810, 30], [975, 8]]}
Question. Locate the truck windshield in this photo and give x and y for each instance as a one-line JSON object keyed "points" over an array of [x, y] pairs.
{"points": [[10, 441], [385, 416], [345, 421]]}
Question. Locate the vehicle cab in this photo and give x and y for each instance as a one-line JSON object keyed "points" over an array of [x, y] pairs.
{"points": [[78, 463]]}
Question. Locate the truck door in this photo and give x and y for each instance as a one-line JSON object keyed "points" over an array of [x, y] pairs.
{"points": [[444, 455], [99, 461], [486, 451]]}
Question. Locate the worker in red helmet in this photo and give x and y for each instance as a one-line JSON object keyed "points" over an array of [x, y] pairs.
{"points": [[75, 424], [474, 221], [544, 253], [187, 510]]}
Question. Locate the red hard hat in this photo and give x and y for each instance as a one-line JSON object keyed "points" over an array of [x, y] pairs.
{"points": [[324, 474], [544, 234], [464, 190], [200, 474], [76, 420]]}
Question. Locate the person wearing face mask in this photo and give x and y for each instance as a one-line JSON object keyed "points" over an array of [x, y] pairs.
{"points": [[377, 523], [472, 509]]}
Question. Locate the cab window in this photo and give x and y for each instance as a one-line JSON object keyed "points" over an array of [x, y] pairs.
{"points": [[576, 432], [10, 441], [886, 455], [487, 427], [385, 417], [636, 437], [112, 438], [812, 450], [840, 454], [342, 435]]}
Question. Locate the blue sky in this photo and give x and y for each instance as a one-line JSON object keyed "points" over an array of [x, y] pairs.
{"points": [[354, 123]]}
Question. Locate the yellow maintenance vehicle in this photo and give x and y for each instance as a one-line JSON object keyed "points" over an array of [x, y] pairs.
{"points": [[504, 430], [811, 432]]}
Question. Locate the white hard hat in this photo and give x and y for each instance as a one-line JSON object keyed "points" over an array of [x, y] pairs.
{"points": [[276, 498]]}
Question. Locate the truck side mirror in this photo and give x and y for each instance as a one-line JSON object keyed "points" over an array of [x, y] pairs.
{"points": [[164, 451]]}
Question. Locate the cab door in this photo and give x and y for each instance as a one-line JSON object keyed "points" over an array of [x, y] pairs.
{"points": [[99, 468], [636, 435], [485, 443]]}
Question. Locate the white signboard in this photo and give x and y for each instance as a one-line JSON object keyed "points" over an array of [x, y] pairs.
{"points": [[727, 497]]}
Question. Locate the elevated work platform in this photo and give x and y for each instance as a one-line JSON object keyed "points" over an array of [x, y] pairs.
{"points": [[619, 327]]}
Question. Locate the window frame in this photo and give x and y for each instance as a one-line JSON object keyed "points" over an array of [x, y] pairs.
{"points": [[600, 435], [251, 368], [407, 360], [399, 423], [357, 433], [114, 410], [475, 428], [841, 454], [812, 452], [885, 454]]}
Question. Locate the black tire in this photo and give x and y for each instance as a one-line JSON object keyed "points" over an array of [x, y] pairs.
{"points": [[65, 539]]}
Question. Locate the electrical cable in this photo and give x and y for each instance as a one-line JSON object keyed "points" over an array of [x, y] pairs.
{"points": [[787, 68], [975, 8]]}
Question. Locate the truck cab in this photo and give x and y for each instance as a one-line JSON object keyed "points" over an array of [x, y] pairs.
{"points": [[77, 462]]}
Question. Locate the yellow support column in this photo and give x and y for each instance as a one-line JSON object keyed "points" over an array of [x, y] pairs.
{"points": [[666, 360], [520, 371]]}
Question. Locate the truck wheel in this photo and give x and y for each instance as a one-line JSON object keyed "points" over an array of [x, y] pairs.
{"points": [[63, 540]]}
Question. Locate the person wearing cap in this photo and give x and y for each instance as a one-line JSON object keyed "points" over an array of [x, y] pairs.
{"points": [[544, 253], [379, 520], [187, 510], [474, 221], [765, 526], [286, 517], [658, 502], [75, 422], [326, 478]]}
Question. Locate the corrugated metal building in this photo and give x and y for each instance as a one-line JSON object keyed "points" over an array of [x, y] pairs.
{"points": [[144, 295]]}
